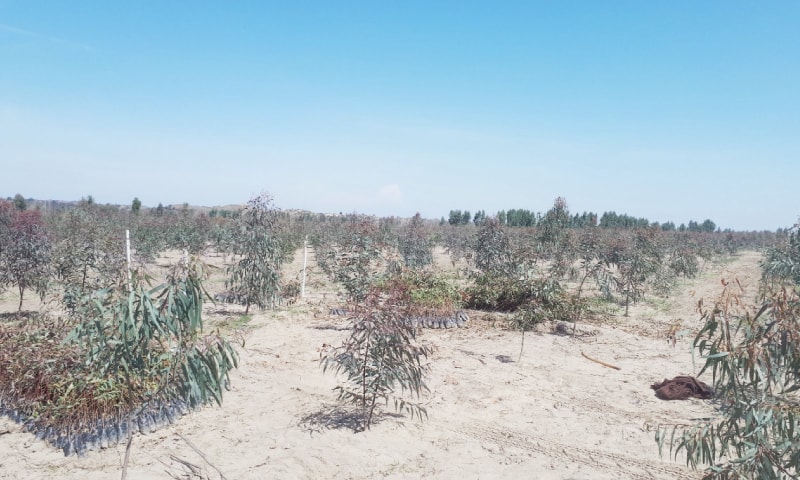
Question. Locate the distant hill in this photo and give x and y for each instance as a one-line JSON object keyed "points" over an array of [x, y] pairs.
{"points": [[61, 205]]}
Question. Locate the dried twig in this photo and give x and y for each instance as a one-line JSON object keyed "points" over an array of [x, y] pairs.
{"points": [[587, 357], [193, 469], [203, 456]]}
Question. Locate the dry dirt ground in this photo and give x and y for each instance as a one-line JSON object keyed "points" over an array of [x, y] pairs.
{"points": [[551, 415]]}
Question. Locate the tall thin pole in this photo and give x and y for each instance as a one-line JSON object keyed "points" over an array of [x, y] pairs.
{"points": [[128, 252], [305, 257]]}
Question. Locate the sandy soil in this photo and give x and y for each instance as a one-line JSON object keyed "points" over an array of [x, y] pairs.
{"points": [[551, 415]]}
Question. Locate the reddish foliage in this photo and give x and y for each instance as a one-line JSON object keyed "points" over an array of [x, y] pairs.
{"points": [[29, 223], [24, 250]]}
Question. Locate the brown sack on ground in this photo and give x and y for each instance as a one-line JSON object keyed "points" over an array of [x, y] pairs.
{"points": [[681, 388]]}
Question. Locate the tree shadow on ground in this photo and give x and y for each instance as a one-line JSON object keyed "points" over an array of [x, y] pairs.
{"points": [[23, 315], [227, 310], [504, 359], [335, 417], [330, 326]]}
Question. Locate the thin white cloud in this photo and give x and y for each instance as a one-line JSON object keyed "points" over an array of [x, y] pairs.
{"points": [[9, 28], [45, 38], [390, 193]]}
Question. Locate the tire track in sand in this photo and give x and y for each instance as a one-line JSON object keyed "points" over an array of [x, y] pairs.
{"points": [[620, 465]]}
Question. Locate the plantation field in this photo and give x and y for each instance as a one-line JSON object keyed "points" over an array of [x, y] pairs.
{"points": [[551, 414]]}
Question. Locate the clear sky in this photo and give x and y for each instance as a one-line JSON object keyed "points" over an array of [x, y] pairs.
{"points": [[669, 110]]}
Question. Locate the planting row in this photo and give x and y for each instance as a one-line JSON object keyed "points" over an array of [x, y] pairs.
{"points": [[100, 433]]}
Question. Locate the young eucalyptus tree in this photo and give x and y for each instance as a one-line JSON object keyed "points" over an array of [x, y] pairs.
{"points": [[553, 226], [415, 244], [682, 256], [6, 219], [20, 203], [189, 230], [25, 252], [381, 360], [88, 253], [752, 354], [638, 263], [492, 253], [354, 254], [255, 276], [781, 264], [152, 338], [591, 266]]}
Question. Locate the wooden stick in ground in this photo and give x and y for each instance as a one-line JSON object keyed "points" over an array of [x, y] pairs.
{"points": [[587, 357]]}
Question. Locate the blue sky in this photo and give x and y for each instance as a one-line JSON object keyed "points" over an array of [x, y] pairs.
{"points": [[679, 110]]}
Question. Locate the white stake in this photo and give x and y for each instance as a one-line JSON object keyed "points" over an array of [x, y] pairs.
{"points": [[303, 281], [128, 251]]}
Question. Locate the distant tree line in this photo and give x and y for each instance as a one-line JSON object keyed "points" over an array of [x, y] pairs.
{"points": [[457, 217], [520, 217]]}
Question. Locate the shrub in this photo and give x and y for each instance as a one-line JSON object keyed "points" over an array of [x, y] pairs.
{"points": [[496, 293], [425, 293], [134, 347], [545, 300]]}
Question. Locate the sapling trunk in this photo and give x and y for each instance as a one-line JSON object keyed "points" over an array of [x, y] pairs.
{"points": [[83, 278], [364, 364], [579, 309], [627, 302], [21, 292], [375, 390], [127, 455]]}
